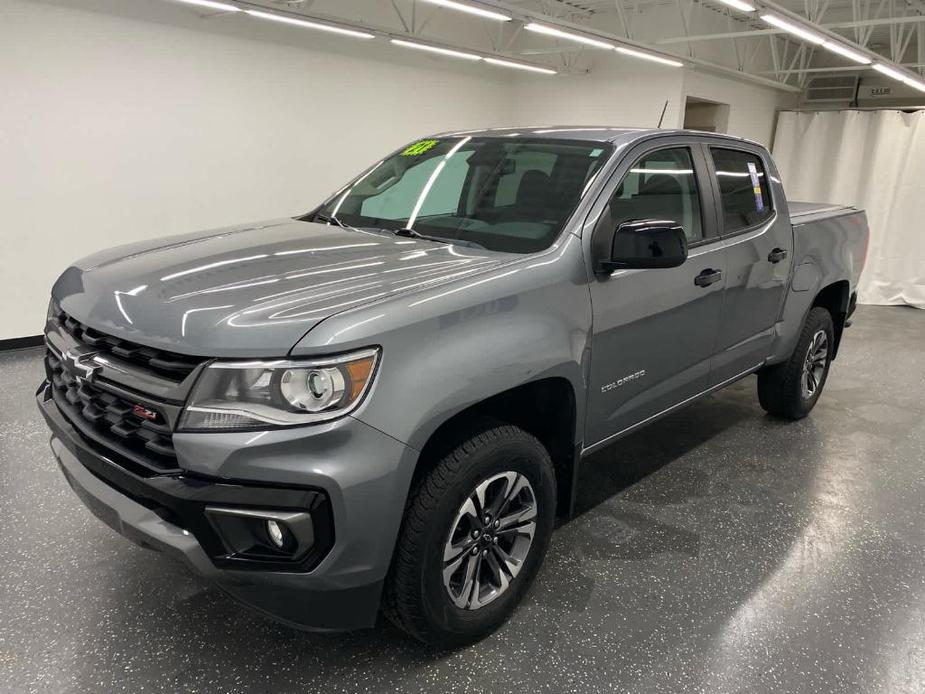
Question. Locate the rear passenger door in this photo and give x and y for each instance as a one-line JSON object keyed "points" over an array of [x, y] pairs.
{"points": [[654, 329], [759, 249]]}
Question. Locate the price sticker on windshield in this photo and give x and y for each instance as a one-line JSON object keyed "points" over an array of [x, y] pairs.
{"points": [[418, 148]]}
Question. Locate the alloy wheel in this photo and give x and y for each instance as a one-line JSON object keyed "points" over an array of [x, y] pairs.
{"points": [[814, 364], [489, 540]]}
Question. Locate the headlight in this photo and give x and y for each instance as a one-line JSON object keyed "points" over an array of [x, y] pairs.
{"points": [[257, 394]]}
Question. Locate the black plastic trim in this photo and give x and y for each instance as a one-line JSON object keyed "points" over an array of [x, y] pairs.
{"points": [[21, 342], [180, 498]]}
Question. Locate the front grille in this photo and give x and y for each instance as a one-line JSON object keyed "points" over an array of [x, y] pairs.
{"points": [[135, 432], [112, 421], [168, 364]]}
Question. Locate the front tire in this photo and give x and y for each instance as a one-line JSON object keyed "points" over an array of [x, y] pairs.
{"points": [[792, 388], [474, 535]]}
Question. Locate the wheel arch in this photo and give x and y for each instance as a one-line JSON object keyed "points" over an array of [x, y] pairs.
{"points": [[546, 408], [834, 298]]}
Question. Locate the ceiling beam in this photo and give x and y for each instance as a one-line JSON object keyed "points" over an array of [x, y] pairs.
{"points": [[912, 19], [828, 33], [526, 15], [382, 32], [805, 70]]}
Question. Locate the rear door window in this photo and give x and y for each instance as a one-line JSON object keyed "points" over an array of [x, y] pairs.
{"points": [[743, 187]]}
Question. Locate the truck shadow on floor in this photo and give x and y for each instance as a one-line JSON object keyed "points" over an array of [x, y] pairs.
{"points": [[627, 461], [618, 570]]}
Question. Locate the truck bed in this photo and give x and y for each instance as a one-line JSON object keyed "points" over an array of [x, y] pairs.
{"points": [[804, 212]]}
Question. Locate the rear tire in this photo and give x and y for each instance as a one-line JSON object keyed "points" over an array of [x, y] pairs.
{"points": [[792, 388], [447, 587]]}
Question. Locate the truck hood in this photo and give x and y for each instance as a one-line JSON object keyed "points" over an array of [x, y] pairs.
{"points": [[254, 290]]}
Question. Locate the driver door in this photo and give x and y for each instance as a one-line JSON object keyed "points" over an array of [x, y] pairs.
{"points": [[655, 329]]}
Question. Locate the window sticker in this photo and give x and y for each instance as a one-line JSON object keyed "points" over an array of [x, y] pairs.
{"points": [[756, 186], [418, 148], [595, 153]]}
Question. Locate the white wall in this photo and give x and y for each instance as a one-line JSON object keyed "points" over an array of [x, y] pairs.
{"points": [[114, 129], [129, 119], [752, 108], [618, 91]]}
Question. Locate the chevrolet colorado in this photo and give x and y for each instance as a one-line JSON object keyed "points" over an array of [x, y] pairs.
{"points": [[381, 406]]}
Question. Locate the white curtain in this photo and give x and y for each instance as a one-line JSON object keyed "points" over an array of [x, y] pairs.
{"points": [[874, 160]]}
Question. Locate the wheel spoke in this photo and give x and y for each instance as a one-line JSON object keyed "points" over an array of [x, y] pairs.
{"points": [[461, 598], [500, 576], [472, 586], [509, 482], [519, 485], [478, 499], [452, 552], [471, 515], [450, 569], [510, 564], [526, 529], [517, 517]]}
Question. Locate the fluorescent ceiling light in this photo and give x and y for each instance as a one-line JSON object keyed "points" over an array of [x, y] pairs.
{"points": [[649, 56], [519, 66], [900, 76], [309, 25], [478, 11], [846, 52], [222, 6], [794, 29], [890, 72], [550, 31], [739, 5], [436, 49]]}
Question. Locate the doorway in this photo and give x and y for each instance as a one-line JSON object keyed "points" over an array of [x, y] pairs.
{"points": [[705, 115]]}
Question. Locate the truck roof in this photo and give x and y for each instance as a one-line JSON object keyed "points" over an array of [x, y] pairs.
{"points": [[599, 133]]}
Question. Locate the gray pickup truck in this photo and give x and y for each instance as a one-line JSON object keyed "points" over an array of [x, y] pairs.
{"points": [[381, 406]]}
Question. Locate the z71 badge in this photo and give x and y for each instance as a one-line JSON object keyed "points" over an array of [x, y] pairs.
{"points": [[623, 381]]}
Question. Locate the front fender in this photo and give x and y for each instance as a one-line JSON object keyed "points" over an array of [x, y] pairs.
{"points": [[450, 347]]}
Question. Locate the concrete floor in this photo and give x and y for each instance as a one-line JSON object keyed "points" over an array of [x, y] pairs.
{"points": [[718, 551]]}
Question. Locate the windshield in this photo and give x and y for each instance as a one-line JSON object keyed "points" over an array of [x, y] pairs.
{"points": [[496, 193]]}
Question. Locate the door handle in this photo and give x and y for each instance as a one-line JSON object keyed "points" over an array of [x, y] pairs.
{"points": [[708, 277], [777, 255]]}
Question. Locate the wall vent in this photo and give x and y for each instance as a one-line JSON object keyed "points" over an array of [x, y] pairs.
{"points": [[832, 88]]}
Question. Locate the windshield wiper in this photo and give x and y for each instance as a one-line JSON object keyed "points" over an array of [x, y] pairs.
{"points": [[410, 233], [329, 219]]}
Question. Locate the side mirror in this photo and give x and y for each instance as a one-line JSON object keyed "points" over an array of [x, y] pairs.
{"points": [[646, 243]]}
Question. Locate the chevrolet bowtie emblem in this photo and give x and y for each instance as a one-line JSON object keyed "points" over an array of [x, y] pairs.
{"points": [[81, 364]]}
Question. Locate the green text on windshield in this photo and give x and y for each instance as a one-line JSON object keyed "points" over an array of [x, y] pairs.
{"points": [[500, 194]]}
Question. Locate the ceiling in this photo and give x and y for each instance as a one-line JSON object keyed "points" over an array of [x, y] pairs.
{"points": [[705, 34]]}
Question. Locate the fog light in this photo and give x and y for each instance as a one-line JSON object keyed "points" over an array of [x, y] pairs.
{"points": [[263, 535], [276, 533]]}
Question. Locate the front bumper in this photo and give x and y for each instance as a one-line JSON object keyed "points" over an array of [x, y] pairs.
{"points": [[338, 589]]}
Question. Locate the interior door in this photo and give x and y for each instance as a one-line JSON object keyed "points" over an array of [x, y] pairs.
{"points": [[654, 329], [759, 251]]}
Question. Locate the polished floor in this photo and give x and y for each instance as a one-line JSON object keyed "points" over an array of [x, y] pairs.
{"points": [[717, 551]]}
